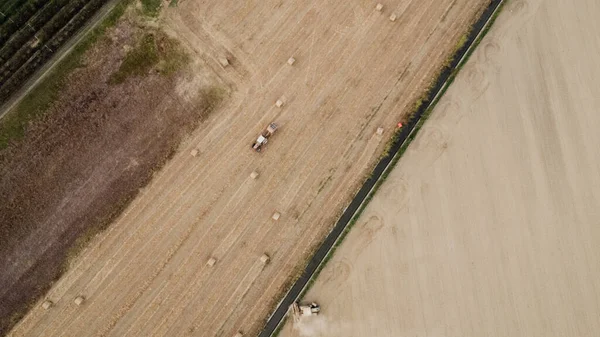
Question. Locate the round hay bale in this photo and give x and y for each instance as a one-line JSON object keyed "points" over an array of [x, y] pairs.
{"points": [[265, 258], [47, 304], [79, 300]]}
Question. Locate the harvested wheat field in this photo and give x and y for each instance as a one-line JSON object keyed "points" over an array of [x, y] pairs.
{"points": [[489, 224], [186, 257]]}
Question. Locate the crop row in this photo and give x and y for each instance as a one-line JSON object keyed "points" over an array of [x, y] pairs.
{"points": [[9, 8], [35, 24], [18, 19], [34, 49]]}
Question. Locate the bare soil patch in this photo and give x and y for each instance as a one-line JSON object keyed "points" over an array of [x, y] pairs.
{"points": [[79, 165]]}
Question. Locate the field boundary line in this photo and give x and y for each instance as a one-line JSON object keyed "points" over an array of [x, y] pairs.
{"points": [[399, 142]]}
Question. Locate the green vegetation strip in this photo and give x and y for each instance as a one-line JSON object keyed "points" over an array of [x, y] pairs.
{"points": [[151, 7], [139, 60], [154, 51]]}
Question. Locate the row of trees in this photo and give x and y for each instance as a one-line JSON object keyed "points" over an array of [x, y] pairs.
{"points": [[18, 19], [28, 51], [8, 8]]}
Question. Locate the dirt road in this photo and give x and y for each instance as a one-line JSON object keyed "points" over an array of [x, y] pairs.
{"points": [[488, 226], [355, 70]]}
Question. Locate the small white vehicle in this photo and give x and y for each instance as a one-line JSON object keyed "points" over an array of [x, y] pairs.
{"points": [[305, 310]]}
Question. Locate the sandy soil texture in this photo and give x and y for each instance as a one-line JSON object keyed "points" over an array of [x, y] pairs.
{"points": [[355, 70], [489, 225]]}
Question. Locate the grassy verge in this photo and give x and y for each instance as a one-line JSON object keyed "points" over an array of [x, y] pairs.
{"points": [[155, 50], [402, 149], [151, 7], [40, 98], [138, 61], [172, 55]]}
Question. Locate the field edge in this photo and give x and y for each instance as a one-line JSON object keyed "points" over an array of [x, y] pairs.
{"points": [[397, 145]]}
